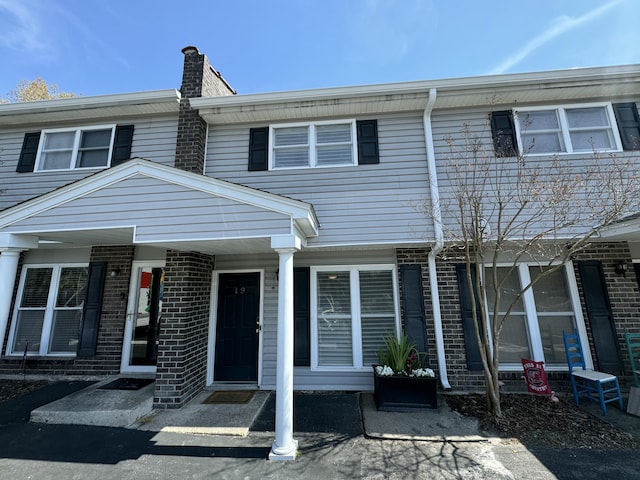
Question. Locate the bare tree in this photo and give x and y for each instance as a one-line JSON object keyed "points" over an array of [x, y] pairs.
{"points": [[37, 89], [501, 207]]}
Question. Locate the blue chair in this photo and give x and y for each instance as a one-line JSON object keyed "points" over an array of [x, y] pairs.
{"points": [[586, 383]]}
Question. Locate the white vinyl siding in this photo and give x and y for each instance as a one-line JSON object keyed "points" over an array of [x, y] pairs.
{"points": [[48, 310], [65, 149], [567, 129], [317, 144], [153, 139], [352, 310], [376, 204]]}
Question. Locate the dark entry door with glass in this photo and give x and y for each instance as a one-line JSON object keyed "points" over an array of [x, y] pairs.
{"points": [[237, 327]]}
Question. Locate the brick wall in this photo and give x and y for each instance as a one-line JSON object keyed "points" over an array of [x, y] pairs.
{"points": [[198, 79], [624, 295], [184, 331], [111, 331], [625, 302]]}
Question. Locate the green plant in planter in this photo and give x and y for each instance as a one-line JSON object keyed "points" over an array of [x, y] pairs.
{"points": [[400, 357]]}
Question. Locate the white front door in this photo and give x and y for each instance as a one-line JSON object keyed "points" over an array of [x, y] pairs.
{"points": [[144, 313]]}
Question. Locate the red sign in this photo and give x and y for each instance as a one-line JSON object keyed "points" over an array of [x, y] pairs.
{"points": [[535, 377]]}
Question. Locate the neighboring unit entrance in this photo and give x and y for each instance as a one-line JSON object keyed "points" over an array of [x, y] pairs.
{"points": [[140, 348], [237, 327]]}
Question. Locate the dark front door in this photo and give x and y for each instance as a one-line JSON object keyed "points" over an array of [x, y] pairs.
{"points": [[237, 327]]}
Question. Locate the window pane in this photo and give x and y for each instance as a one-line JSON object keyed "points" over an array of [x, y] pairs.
{"points": [[333, 133], [28, 329], [55, 160], [72, 285], [334, 155], [587, 117], [291, 157], [96, 138], [65, 331], [551, 328], [36, 287], [514, 340], [591, 140], [334, 319], [555, 312], [509, 291], [378, 312], [291, 136], [93, 158], [541, 120], [542, 143], [552, 292], [60, 140]]}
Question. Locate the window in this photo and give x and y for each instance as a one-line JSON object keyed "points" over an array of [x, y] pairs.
{"points": [[79, 148], [534, 329], [353, 309], [49, 310], [320, 144], [569, 129]]}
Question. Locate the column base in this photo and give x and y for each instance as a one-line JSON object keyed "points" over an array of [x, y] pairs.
{"points": [[286, 455]]}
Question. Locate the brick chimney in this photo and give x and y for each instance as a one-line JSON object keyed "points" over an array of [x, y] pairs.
{"points": [[199, 79]]}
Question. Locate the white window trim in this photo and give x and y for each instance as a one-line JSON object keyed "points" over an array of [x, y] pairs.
{"points": [[356, 333], [311, 143], [531, 317], [47, 322], [76, 145], [564, 129]]}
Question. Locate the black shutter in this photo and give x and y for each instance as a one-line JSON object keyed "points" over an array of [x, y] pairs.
{"points": [[603, 330], [29, 151], [413, 306], [503, 131], [367, 142], [301, 310], [122, 144], [628, 125], [474, 360], [92, 309], [258, 149]]}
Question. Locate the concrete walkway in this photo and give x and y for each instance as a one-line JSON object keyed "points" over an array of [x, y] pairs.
{"points": [[378, 445]]}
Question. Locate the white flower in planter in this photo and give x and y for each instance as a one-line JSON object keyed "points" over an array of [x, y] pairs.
{"points": [[384, 370], [422, 372]]}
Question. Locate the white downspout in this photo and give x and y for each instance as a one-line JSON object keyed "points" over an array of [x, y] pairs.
{"points": [[437, 248]]}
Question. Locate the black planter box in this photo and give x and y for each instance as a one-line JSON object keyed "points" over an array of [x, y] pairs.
{"points": [[398, 394]]}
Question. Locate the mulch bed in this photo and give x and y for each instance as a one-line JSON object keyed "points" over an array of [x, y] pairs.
{"points": [[13, 388], [536, 421]]}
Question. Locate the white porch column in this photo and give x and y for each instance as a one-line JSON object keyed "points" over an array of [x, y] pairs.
{"points": [[8, 269], [284, 446]]}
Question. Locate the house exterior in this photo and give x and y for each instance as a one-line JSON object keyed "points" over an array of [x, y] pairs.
{"points": [[272, 240]]}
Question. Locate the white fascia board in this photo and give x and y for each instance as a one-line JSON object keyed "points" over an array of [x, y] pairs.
{"points": [[297, 209], [448, 84], [81, 103]]}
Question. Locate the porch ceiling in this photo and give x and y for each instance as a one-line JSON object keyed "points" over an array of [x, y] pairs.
{"points": [[124, 236]]}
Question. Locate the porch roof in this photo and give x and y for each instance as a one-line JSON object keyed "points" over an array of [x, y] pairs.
{"points": [[143, 202]]}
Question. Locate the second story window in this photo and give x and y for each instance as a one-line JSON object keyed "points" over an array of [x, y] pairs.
{"points": [[321, 144], [77, 148], [570, 129]]}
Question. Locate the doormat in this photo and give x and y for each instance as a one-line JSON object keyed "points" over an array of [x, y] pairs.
{"points": [[127, 384], [230, 396]]}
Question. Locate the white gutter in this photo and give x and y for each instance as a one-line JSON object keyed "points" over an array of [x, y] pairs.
{"points": [[437, 248]]}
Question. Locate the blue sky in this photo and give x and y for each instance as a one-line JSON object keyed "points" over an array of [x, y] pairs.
{"points": [[94, 47]]}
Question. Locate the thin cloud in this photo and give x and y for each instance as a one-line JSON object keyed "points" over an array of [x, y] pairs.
{"points": [[560, 26], [21, 28]]}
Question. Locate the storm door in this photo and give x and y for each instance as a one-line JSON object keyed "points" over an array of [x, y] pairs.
{"points": [[237, 328], [140, 347]]}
